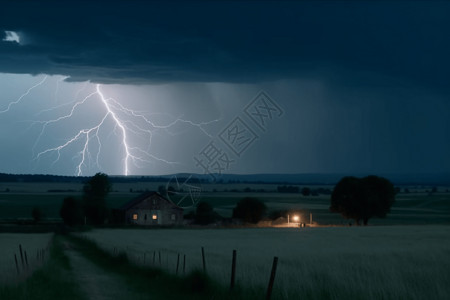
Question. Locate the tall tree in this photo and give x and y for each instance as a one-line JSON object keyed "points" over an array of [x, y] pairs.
{"points": [[363, 198], [94, 199], [71, 211]]}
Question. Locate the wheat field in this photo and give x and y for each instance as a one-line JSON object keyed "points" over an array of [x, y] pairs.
{"points": [[32, 244], [380, 262]]}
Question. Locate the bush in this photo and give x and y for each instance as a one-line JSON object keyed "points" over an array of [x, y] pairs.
{"points": [[37, 214], [250, 210], [204, 214], [306, 191]]}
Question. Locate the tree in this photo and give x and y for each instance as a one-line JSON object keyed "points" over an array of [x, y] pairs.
{"points": [[171, 191], [94, 203], [204, 214], [287, 189], [306, 191], [363, 198], [36, 213], [71, 211], [249, 210], [162, 190]]}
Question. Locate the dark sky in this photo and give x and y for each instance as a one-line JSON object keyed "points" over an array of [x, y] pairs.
{"points": [[361, 86]]}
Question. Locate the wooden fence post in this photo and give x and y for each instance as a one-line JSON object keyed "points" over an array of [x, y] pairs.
{"points": [[26, 258], [184, 264], [272, 277], [233, 270], [17, 264], [159, 252], [203, 259], [21, 256], [178, 263]]}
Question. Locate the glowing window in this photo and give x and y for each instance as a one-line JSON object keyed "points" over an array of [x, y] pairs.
{"points": [[135, 216], [155, 217]]}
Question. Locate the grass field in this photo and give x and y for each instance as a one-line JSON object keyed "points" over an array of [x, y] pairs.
{"points": [[9, 246], [53, 280], [383, 262], [375, 262], [77, 269]]}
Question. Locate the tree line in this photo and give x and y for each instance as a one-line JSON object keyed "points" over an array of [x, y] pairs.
{"points": [[354, 198]]}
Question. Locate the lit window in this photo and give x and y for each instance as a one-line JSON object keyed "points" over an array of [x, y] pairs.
{"points": [[155, 217], [135, 216]]}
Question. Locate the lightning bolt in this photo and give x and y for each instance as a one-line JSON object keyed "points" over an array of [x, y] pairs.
{"points": [[126, 123], [23, 96], [119, 123]]}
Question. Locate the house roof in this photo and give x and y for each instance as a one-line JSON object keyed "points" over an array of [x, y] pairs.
{"points": [[144, 196]]}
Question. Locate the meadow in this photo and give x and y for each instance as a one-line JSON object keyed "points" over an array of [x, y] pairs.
{"points": [[407, 261], [379, 262], [32, 244]]}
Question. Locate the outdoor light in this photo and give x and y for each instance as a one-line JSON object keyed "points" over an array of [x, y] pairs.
{"points": [[296, 218]]}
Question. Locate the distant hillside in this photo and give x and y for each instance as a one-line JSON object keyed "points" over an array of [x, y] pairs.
{"points": [[302, 179], [331, 179], [38, 178]]}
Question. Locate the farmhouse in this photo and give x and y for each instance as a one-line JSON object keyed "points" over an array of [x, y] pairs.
{"points": [[151, 208]]}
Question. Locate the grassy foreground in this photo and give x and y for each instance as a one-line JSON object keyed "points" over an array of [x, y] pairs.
{"points": [[319, 263], [156, 283], [32, 245], [370, 263], [53, 281]]}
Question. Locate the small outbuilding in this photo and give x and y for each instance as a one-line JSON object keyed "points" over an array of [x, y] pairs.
{"points": [[151, 208]]}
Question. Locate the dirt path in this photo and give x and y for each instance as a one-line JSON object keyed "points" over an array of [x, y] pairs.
{"points": [[95, 283]]}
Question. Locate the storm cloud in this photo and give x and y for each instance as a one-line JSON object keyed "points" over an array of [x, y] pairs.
{"points": [[137, 42], [364, 85]]}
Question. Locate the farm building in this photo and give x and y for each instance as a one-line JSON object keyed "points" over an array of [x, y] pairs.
{"points": [[151, 208]]}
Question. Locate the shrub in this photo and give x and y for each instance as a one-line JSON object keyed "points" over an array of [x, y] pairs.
{"points": [[249, 210]]}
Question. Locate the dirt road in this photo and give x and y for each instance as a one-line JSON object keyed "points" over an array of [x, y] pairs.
{"points": [[95, 282]]}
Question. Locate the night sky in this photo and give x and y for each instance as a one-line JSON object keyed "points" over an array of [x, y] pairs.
{"points": [[138, 87]]}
